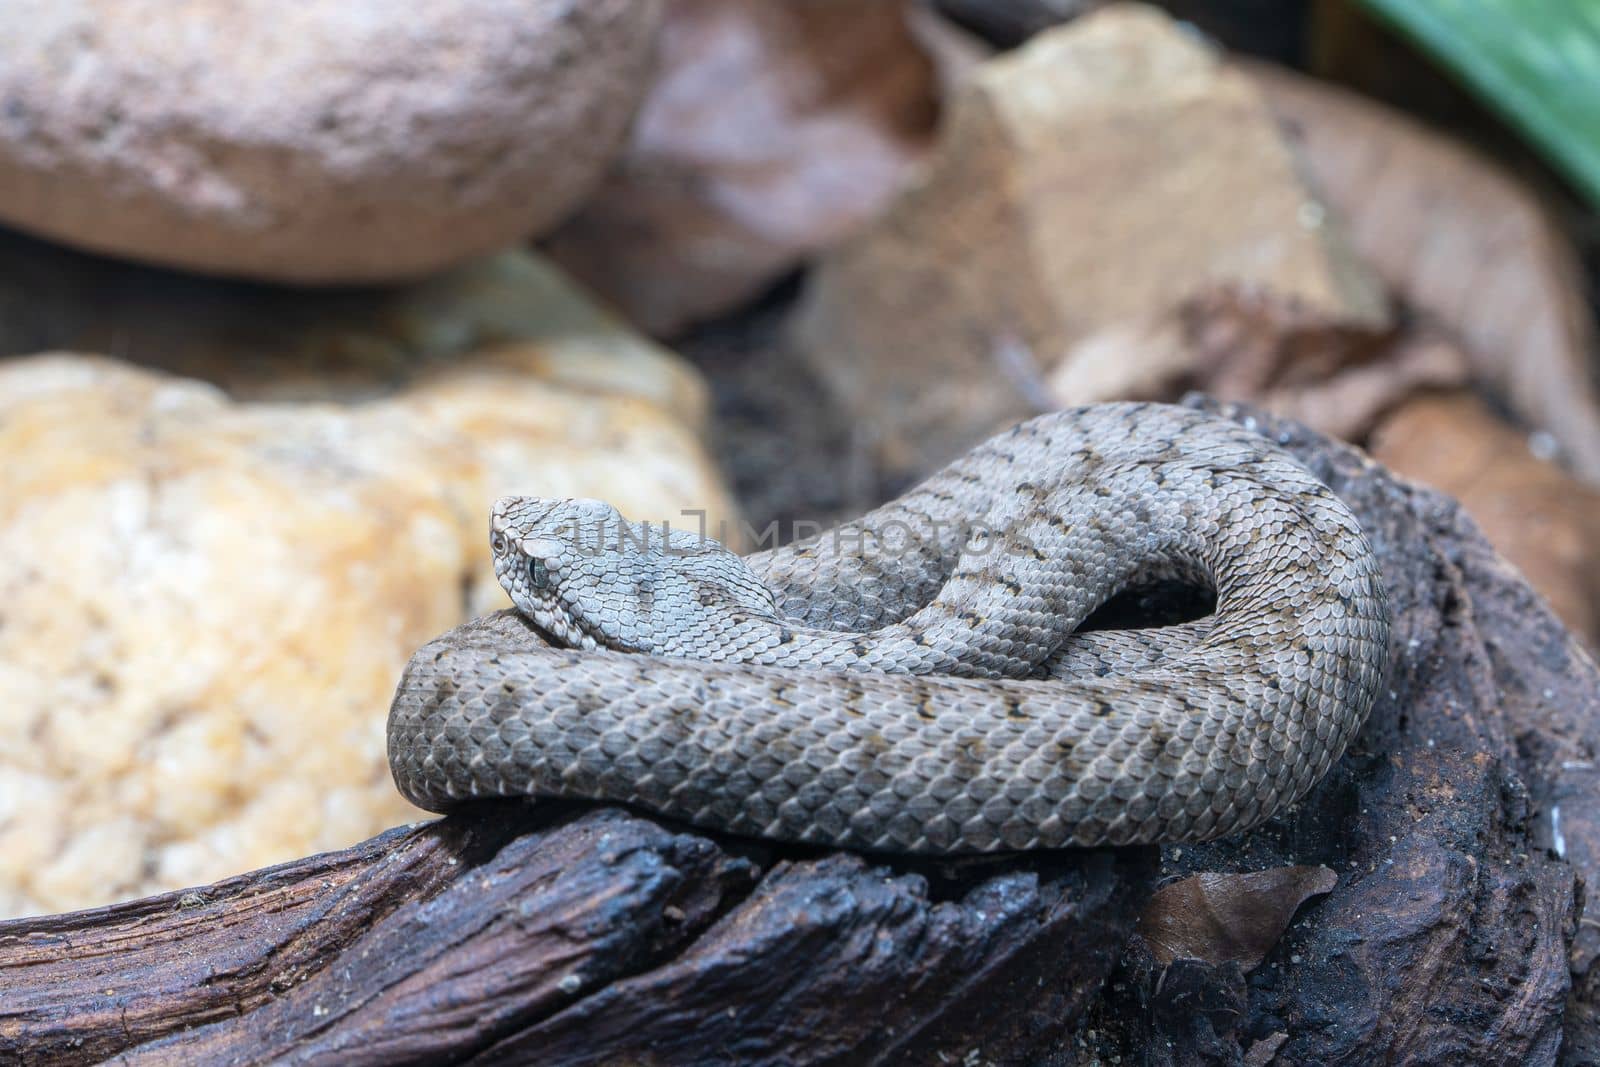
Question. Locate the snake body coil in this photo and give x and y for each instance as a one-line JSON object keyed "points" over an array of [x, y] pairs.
{"points": [[913, 682]]}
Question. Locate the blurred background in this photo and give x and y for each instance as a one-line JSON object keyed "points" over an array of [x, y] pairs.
{"points": [[289, 294]]}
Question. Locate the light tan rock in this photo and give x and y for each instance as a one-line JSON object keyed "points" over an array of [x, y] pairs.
{"points": [[312, 143], [1099, 174], [205, 604]]}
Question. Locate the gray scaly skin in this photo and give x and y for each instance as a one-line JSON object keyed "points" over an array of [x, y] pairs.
{"points": [[909, 685]]}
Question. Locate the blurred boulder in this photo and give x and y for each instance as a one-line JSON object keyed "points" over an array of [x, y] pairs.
{"points": [[312, 143], [207, 601]]}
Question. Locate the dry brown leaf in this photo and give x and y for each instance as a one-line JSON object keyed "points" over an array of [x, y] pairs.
{"points": [[1220, 918], [1536, 514], [772, 129], [1100, 174], [1460, 240], [1259, 347]]}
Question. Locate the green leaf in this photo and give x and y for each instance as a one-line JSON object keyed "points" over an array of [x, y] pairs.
{"points": [[1535, 61]]}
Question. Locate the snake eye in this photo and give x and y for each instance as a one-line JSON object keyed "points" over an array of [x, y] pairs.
{"points": [[538, 575]]}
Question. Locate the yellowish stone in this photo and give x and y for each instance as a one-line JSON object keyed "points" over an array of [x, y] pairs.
{"points": [[205, 603]]}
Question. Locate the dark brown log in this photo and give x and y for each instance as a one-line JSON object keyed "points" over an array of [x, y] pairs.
{"points": [[1458, 826], [514, 934]]}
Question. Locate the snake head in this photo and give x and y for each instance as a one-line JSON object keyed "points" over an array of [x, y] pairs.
{"points": [[589, 578]]}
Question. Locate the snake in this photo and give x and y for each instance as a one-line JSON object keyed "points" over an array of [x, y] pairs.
{"points": [[929, 678]]}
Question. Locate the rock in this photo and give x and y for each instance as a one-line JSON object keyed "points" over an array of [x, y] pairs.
{"points": [[720, 193], [327, 143], [207, 602], [1099, 174]]}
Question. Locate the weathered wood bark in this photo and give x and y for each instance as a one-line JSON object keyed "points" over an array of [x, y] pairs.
{"points": [[566, 936], [1459, 826]]}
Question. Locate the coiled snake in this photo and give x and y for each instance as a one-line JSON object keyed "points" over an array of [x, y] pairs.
{"points": [[911, 683]]}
